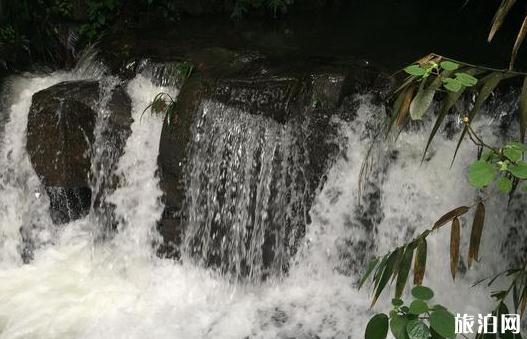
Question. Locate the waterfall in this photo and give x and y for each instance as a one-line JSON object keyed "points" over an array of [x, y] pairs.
{"points": [[81, 286], [137, 201], [243, 170]]}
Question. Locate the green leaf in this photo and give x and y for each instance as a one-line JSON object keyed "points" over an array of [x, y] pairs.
{"points": [[398, 325], [466, 79], [438, 307], [519, 40], [377, 327], [499, 294], [512, 152], [422, 100], [449, 65], [405, 309], [418, 307], [489, 83], [519, 170], [499, 17], [416, 329], [487, 154], [378, 270], [518, 145], [371, 266], [443, 322], [101, 19], [387, 273], [405, 105], [481, 174], [447, 104], [415, 70], [523, 301], [454, 247], [435, 335], [452, 85], [422, 292], [456, 212], [404, 271], [475, 234], [420, 261], [504, 184], [397, 302]]}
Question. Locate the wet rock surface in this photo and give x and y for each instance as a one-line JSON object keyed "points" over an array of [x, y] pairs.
{"points": [[60, 136], [302, 95]]}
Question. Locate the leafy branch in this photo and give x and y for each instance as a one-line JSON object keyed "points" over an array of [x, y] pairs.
{"points": [[163, 103], [501, 13], [505, 163], [416, 320], [432, 74]]}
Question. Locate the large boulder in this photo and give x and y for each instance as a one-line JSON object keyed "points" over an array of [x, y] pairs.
{"points": [[244, 155], [61, 135]]}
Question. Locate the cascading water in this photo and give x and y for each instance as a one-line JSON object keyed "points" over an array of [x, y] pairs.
{"points": [[77, 287], [243, 170]]}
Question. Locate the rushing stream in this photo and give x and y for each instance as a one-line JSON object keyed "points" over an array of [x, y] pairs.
{"points": [[80, 285]]}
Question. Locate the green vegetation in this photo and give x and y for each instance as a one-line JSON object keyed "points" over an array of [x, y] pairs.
{"points": [[435, 74], [501, 167], [30, 29], [505, 168], [242, 7], [501, 14], [163, 103], [414, 321]]}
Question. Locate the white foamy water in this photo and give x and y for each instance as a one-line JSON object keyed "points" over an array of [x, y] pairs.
{"points": [[75, 288]]}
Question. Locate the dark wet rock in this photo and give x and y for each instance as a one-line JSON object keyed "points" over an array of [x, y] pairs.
{"points": [[60, 135], [300, 95]]}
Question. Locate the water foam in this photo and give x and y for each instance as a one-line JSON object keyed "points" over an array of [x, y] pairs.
{"points": [[117, 289]]}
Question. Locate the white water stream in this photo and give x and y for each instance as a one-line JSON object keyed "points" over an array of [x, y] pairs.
{"points": [[75, 288]]}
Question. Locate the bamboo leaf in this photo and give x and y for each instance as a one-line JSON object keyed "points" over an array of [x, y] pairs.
{"points": [[491, 281], [387, 273], [457, 212], [475, 235], [489, 83], [424, 98], [371, 265], [405, 84], [523, 110], [454, 247], [523, 302], [499, 17], [420, 261], [379, 270], [404, 271], [519, 40], [515, 297], [448, 103], [405, 105], [397, 264]]}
